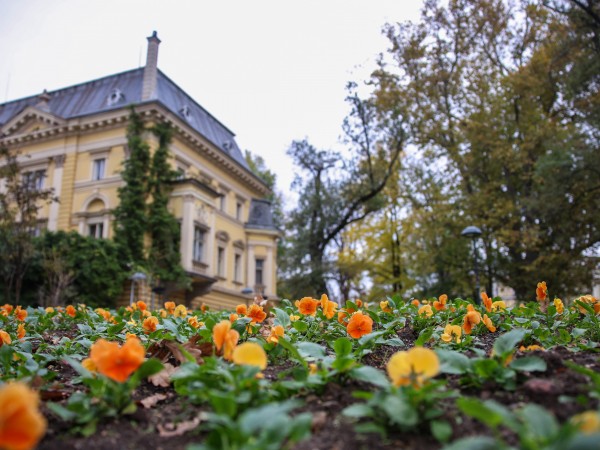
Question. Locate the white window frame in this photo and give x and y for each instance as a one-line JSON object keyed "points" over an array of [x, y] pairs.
{"points": [[98, 227], [221, 261], [99, 168], [199, 245]]}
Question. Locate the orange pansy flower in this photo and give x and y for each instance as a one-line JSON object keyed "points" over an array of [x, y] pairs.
{"points": [[440, 303], [559, 305], [193, 322], [425, 310], [241, 309], [142, 305], [416, 303], [470, 319], [21, 331], [8, 308], [20, 313], [5, 338], [149, 324], [21, 423], [359, 325], [225, 338], [330, 309], [180, 311], [488, 323], [170, 307], [116, 362], [541, 292], [487, 302], [276, 332], [413, 367], [307, 306], [70, 310], [256, 313], [385, 306]]}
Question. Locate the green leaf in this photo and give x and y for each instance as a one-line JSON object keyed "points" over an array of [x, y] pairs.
{"points": [[399, 411], [370, 337], [115, 329], [371, 375], [343, 364], [539, 422], [148, 368], [474, 443], [529, 364], [370, 428], [453, 362], [394, 342], [254, 419], [300, 325], [342, 346], [62, 412], [311, 349], [508, 341], [424, 337], [282, 317], [441, 430], [358, 410], [492, 417], [578, 332], [293, 351]]}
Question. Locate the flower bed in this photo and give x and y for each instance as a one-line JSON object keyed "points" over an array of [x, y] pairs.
{"points": [[436, 373]]}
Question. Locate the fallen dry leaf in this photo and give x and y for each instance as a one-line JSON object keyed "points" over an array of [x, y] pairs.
{"points": [[149, 402], [163, 378], [171, 429]]}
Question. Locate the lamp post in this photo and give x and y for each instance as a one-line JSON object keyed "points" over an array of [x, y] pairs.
{"points": [[472, 232], [135, 278]]}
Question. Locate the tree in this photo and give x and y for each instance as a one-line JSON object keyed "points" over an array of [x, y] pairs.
{"points": [[482, 85], [337, 191], [21, 197], [70, 267]]}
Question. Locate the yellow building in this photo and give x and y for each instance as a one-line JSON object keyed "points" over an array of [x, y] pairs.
{"points": [[74, 140]]}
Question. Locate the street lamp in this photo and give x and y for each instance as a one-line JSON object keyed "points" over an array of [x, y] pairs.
{"points": [[135, 278], [472, 232]]}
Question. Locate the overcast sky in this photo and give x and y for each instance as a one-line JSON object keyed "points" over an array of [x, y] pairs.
{"points": [[271, 71]]}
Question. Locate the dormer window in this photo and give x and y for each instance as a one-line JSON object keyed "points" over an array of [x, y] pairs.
{"points": [[186, 112], [227, 146], [116, 96]]}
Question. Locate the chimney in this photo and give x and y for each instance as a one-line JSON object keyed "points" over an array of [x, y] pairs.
{"points": [[150, 71], [43, 100]]}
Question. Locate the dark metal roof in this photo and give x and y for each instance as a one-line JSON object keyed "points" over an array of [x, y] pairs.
{"points": [[95, 96], [261, 215]]}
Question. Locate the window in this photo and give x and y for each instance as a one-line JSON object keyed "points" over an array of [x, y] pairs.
{"points": [[96, 230], [198, 253], [221, 261], [258, 274], [237, 267], [238, 211], [222, 204], [34, 180], [98, 169]]}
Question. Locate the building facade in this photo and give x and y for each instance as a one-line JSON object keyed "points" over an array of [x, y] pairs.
{"points": [[74, 141]]}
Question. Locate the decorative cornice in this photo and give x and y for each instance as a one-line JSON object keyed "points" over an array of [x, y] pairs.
{"points": [[152, 111]]}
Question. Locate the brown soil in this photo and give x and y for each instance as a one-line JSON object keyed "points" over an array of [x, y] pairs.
{"points": [[150, 427]]}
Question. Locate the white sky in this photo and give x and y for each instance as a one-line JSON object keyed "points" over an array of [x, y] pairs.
{"points": [[272, 71]]}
